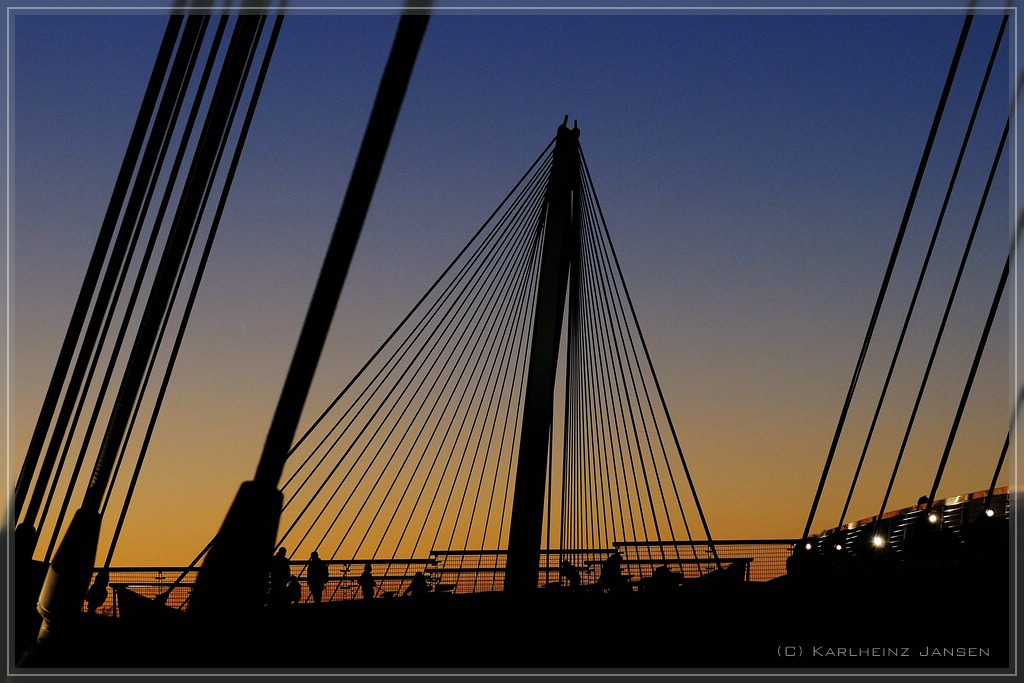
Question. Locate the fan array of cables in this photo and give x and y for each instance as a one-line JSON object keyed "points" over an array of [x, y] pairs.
{"points": [[417, 454]]}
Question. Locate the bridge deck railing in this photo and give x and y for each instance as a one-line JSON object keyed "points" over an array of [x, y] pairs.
{"points": [[472, 571]]}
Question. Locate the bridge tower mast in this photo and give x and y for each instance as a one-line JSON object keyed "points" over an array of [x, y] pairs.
{"points": [[560, 221]]}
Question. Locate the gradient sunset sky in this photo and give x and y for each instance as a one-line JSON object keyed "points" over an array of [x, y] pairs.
{"points": [[753, 168]]}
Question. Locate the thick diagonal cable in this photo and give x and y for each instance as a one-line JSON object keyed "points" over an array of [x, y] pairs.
{"points": [[889, 269], [107, 292], [657, 383], [204, 259], [995, 475], [945, 316], [466, 273], [122, 183], [969, 384], [1006, 446], [369, 160], [383, 374], [129, 306], [924, 268]]}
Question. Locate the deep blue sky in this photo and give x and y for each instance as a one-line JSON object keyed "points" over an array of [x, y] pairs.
{"points": [[753, 169]]}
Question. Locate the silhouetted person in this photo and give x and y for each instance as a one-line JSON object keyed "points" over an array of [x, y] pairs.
{"points": [[279, 573], [567, 571], [366, 581], [663, 579], [418, 585], [97, 593], [611, 573], [316, 576], [294, 591]]}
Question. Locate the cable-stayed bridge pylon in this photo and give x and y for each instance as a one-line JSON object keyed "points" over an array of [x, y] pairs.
{"points": [[465, 432]]}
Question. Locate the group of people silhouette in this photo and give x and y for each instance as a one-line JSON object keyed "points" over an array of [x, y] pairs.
{"points": [[613, 580], [284, 588]]}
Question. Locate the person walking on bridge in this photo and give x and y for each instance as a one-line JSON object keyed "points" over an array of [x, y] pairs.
{"points": [[280, 571], [316, 576], [366, 581]]}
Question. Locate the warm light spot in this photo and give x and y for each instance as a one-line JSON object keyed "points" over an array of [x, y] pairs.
{"points": [[933, 518], [807, 546], [878, 541], [989, 513], [839, 546]]}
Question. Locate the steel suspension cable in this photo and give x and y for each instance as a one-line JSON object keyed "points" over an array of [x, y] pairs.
{"points": [[122, 183], [889, 269], [516, 358], [243, 135], [970, 382], [512, 324], [125, 236], [182, 268], [522, 369], [945, 316], [924, 266], [624, 364], [135, 214], [129, 307]]}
